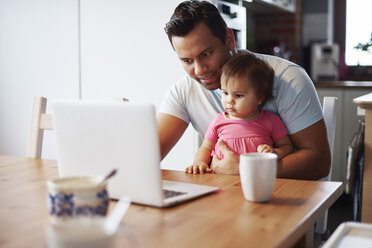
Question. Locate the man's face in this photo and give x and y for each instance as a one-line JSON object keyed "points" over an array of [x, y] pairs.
{"points": [[202, 55]]}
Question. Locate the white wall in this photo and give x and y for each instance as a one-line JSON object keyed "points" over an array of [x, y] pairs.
{"points": [[38, 56], [124, 53]]}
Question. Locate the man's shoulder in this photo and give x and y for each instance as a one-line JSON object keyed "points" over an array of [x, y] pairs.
{"points": [[182, 87], [277, 63], [287, 73], [190, 86], [184, 81]]}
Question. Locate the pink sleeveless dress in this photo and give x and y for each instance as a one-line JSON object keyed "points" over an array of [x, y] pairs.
{"points": [[244, 136]]}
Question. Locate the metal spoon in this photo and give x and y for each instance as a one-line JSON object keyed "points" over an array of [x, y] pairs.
{"points": [[108, 176]]}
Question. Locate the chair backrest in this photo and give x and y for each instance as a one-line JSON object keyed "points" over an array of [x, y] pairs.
{"points": [[41, 121], [329, 113]]}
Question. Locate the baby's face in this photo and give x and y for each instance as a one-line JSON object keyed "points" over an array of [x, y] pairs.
{"points": [[239, 99]]}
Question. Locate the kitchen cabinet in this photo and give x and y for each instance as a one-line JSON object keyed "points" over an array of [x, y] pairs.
{"points": [[346, 120], [271, 5]]}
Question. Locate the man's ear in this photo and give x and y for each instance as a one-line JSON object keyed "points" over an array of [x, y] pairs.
{"points": [[230, 39]]}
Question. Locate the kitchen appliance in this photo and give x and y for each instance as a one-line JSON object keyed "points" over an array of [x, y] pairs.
{"points": [[235, 17], [324, 61]]}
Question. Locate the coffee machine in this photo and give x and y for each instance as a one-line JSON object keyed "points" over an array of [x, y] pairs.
{"points": [[324, 61]]}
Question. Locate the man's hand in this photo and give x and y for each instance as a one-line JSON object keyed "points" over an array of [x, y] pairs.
{"points": [[229, 164]]}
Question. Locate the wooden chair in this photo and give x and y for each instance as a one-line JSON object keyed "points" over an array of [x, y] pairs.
{"points": [[41, 121]]}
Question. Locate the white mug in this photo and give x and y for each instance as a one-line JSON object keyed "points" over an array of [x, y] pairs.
{"points": [[258, 175]]}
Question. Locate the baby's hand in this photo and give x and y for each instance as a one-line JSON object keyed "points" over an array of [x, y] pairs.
{"points": [[199, 167], [264, 148]]}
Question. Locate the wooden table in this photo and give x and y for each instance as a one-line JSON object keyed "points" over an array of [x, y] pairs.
{"points": [[223, 219]]}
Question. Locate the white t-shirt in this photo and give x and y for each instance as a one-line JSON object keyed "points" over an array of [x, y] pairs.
{"points": [[295, 99]]}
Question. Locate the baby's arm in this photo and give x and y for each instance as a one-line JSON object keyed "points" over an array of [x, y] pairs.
{"points": [[281, 147], [202, 159]]}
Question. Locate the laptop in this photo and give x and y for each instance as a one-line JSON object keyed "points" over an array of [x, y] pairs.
{"points": [[95, 137]]}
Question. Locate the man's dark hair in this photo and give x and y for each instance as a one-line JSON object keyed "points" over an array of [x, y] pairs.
{"points": [[190, 13], [253, 70]]}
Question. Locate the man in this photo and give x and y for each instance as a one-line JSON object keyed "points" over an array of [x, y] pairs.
{"points": [[203, 44]]}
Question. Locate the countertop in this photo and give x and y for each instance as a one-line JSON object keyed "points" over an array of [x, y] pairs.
{"points": [[364, 101], [343, 84]]}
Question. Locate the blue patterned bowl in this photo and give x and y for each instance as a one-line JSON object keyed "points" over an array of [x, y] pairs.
{"points": [[77, 196]]}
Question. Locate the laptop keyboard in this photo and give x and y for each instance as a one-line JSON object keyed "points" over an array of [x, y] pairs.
{"points": [[171, 193]]}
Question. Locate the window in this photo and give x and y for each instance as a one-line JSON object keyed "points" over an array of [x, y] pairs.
{"points": [[358, 30]]}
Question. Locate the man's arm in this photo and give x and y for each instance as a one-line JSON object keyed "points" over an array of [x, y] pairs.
{"points": [[312, 159], [170, 129]]}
